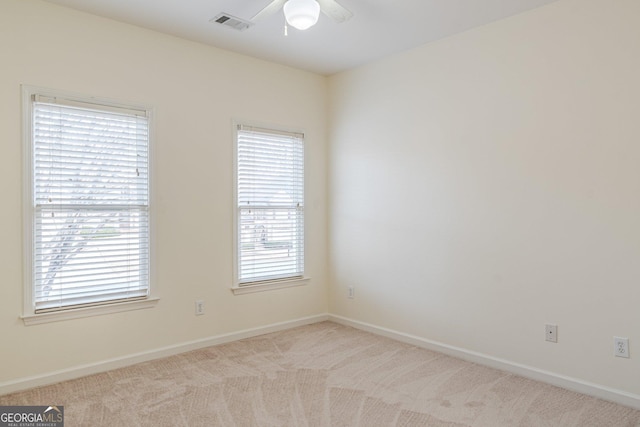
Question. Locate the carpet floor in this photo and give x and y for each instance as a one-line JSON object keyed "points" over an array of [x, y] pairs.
{"points": [[323, 374]]}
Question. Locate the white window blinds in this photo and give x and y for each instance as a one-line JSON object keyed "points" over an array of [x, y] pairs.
{"points": [[270, 196], [90, 204]]}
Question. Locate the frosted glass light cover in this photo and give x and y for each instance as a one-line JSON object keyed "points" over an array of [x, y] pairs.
{"points": [[301, 14]]}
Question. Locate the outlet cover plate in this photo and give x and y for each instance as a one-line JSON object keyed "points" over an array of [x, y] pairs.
{"points": [[199, 307], [551, 333], [621, 347]]}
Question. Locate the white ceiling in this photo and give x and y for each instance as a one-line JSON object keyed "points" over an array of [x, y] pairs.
{"points": [[378, 28]]}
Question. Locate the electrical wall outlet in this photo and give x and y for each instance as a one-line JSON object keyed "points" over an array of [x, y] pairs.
{"points": [[621, 347], [199, 307], [551, 333], [350, 292]]}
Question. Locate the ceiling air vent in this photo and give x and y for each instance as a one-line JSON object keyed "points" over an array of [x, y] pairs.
{"points": [[231, 21]]}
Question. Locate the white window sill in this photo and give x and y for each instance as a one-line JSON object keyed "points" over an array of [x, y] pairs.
{"points": [[270, 285], [77, 313]]}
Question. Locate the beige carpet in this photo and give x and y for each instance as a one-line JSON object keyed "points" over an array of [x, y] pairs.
{"points": [[319, 375]]}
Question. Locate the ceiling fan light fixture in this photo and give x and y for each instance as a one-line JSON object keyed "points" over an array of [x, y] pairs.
{"points": [[301, 14]]}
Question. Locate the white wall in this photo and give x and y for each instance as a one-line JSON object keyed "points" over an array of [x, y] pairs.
{"points": [[489, 183], [196, 91]]}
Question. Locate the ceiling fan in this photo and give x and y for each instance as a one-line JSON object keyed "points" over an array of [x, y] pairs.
{"points": [[303, 14]]}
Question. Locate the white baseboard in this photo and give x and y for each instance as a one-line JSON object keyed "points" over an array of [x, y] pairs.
{"points": [[595, 390], [599, 391], [120, 362]]}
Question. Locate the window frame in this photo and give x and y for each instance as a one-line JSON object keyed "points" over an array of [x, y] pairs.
{"points": [[29, 315], [238, 287]]}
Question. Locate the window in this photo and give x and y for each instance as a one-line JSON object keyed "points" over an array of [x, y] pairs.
{"points": [[270, 207], [88, 203]]}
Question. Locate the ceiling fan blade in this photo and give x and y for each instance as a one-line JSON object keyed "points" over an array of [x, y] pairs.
{"points": [[334, 10], [269, 9]]}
